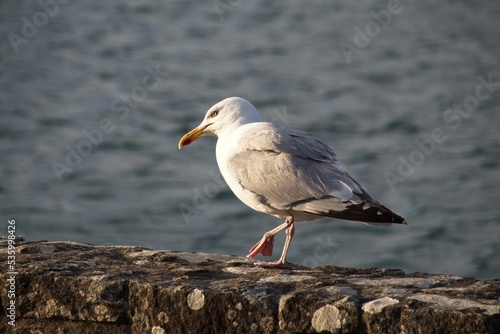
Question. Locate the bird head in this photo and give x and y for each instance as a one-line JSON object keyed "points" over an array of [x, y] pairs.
{"points": [[226, 114]]}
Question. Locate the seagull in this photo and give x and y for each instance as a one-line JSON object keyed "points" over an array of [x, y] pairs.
{"points": [[285, 173]]}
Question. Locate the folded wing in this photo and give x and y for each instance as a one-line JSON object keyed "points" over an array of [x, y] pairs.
{"points": [[289, 169]]}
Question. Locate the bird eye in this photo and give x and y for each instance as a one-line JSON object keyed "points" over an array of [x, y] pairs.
{"points": [[214, 113]]}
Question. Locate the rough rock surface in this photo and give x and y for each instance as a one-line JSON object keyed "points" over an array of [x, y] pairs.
{"points": [[69, 287]]}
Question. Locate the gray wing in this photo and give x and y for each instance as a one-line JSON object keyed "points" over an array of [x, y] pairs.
{"points": [[290, 169]]}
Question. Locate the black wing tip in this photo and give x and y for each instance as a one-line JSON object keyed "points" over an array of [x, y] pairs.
{"points": [[387, 218], [392, 217], [399, 220], [375, 213]]}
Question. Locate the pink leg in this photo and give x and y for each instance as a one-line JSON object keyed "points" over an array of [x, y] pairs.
{"points": [[265, 245]]}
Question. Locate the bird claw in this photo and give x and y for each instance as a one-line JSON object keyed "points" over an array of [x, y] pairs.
{"points": [[267, 265]]}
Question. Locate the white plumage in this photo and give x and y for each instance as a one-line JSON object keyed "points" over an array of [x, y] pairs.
{"points": [[283, 172]]}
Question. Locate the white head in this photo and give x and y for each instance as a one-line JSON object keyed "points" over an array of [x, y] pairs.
{"points": [[228, 113]]}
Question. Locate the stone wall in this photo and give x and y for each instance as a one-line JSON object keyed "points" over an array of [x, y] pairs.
{"points": [[68, 287]]}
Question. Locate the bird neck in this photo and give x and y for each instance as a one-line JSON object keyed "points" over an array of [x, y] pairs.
{"points": [[247, 118], [237, 123]]}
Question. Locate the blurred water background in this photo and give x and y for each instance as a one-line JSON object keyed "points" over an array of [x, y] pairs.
{"points": [[377, 80]]}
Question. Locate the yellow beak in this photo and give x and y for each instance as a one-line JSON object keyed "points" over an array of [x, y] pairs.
{"points": [[191, 136]]}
